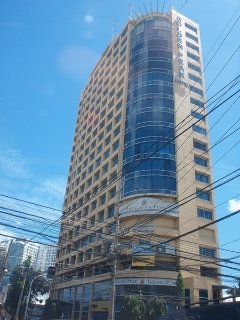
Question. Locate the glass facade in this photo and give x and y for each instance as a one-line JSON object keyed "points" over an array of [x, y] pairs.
{"points": [[150, 111], [92, 301]]}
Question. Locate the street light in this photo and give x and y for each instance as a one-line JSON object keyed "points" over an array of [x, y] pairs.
{"points": [[29, 295]]}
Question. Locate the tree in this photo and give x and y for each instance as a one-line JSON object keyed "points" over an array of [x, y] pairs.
{"points": [[48, 312], [133, 308], [40, 286], [180, 290], [155, 308]]}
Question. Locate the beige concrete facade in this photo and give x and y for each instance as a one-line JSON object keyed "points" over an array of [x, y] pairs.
{"points": [[93, 199]]}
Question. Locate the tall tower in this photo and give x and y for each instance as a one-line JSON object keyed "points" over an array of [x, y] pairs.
{"points": [[132, 167]]}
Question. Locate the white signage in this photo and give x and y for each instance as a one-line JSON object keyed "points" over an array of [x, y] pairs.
{"points": [[146, 205], [146, 228], [180, 54], [146, 281]]}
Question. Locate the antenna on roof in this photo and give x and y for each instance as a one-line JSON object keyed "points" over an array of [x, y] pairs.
{"points": [[136, 14], [140, 11], [151, 6], [145, 8], [163, 6], [130, 11], [114, 28], [157, 6]]}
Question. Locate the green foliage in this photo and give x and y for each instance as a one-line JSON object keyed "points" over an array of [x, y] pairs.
{"points": [[155, 308], [48, 312], [40, 286], [133, 308], [180, 290]]}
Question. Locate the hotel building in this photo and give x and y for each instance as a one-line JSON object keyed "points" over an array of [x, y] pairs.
{"points": [[140, 151]]}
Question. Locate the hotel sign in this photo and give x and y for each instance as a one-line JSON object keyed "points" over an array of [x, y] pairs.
{"points": [[146, 281], [146, 205], [181, 70]]}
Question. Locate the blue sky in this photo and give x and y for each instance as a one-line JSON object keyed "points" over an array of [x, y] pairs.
{"points": [[48, 49]]}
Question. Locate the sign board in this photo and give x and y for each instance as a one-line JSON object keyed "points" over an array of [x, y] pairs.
{"points": [[148, 205], [146, 281], [143, 261]]}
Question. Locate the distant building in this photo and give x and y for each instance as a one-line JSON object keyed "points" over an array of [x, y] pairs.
{"points": [[42, 256], [46, 257]]}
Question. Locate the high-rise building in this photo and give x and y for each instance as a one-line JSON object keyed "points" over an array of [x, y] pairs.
{"points": [[46, 258], [139, 175], [42, 256]]}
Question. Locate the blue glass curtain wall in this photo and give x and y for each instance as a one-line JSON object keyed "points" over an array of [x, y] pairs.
{"points": [[149, 164]]}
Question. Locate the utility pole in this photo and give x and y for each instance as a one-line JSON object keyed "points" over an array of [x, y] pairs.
{"points": [[20, 297], [115, 255], [5, 261], [29, 295]]}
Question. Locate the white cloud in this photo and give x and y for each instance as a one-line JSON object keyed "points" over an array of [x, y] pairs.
{"points": [[76, 61], [88, 18], [12, 163], [234, 205], [54, 187]]}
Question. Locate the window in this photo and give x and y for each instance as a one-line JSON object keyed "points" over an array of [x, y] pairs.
{"points": [[94, 205], [100, 136], [196, 90], [112, 228], [109, 127], [199, 145], [195, 78], [85, 163], [197, 102], [199, 129], [198, 115], [112, 193], [193, 56], [107, 140], [96, 176], [116, 131], [95, 190], [113, 176], [208, 272], [194, 67], [191, 36], [115, 145], [187, 25], [207, 252], [104, 184], [92, 156], [105, 168], [90, 169], [89, 182], [102, 199], [101, 216], [192, 46], [99, 149], [204, 213], [203, 297], [202, 177], [111, 211], [109, 116], [106, 154], [203, 195], [201, 161], [114, 160], [98, 161]]}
